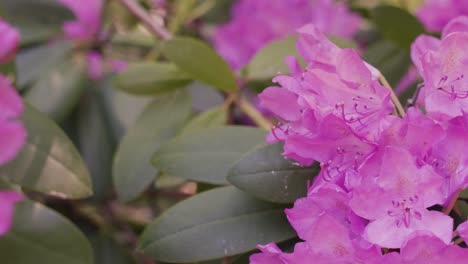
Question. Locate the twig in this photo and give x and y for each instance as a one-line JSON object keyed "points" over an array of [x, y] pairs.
{"points": [[254, 114], [143, 16], [458, 241], [414, 99], [395, 100]]}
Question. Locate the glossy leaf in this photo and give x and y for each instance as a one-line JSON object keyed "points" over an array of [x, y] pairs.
{"points": [[201, 62], [58, 91], [49, 162], [217, 223], [269, 61], [40, 235], [207, 155], [266, 174], [151, 78], [210, 118], [160, 121], [397, 25]]}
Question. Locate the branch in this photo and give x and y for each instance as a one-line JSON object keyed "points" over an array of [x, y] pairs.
{"points": [[143, 16], [254, 114], [395, 100]]}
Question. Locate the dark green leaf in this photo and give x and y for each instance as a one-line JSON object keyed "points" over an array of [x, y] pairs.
{"points": [[161, 120], [265, 174], [201, 62], [37, 19], [58, 91], [49, 162], [95, 139], [397, 25], [393, 62], [217, 223], [269, 61], [151, 78], [210, 118], [206, 155], [40, 235]]}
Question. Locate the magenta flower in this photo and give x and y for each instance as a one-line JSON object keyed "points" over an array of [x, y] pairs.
{"points": [[435, 14], [449, 157], [12, 132], [443, 65], [331, 112], [7, 206], [254, 23], [9, 39], [88, 19], [423, 248], [328, 242], [395, 201]]}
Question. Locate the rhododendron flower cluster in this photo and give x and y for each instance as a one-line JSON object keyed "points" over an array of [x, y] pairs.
{"points": [[12, 132], [257, 22], [382, 175]]}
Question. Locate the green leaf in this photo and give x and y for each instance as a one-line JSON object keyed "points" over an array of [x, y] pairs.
{"points": [[201, 62], [49, 55], [207, 155], [49, 162], [397, 25], [265, 174], [37, 20], [95, 139], [217, 223], [123, 109], [151, 78], [40, 235], [57, 92], [392, 61], [210, 118], [160, 121], [269, 61]]}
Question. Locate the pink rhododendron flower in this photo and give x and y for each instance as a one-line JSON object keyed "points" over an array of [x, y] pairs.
{"points": [[9, 39], [257, 22], [381, 175], [328, 242], [88, 19], [443, 65], [332, 111], [12, 132], [404, 192], [7, 206], [435, 14], [423, 248]]}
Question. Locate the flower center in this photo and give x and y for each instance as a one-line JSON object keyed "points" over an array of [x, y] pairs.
{"points": [[403, 211], [448, 87]]}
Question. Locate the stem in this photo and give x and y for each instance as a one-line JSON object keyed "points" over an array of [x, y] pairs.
{"points": [[458, 241], [254, 114], [395, 100], [143, 16], [452, 203], [412, 101]]}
